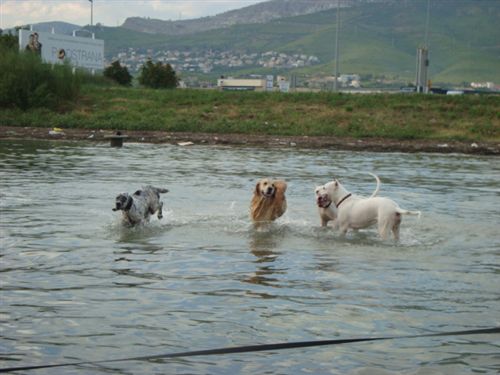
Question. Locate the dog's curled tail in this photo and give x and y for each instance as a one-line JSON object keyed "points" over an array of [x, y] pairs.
{"points": [[378, 185]]}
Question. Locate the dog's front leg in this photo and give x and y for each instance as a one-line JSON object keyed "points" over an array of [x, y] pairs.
{"points": [[335, 224], [324, 221], [160, 211]]}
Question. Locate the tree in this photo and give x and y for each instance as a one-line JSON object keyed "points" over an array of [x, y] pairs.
{"points": [[8, 41], [158, 76], [118, 73]]}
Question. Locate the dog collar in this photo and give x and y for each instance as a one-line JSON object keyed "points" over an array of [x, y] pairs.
{"points": [[130, 201], [343, 199]]}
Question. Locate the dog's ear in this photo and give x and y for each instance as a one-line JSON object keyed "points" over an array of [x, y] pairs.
{"points": [[280, 186], [257, 188]]}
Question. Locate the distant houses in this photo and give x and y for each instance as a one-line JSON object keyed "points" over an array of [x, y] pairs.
{"points": [[483, 85], [209, 60]]}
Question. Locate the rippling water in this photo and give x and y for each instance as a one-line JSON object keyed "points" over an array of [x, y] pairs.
{"points": [[76, 285]]}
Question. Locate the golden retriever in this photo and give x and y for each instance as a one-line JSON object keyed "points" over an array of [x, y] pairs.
{"points": [[268, 200]]}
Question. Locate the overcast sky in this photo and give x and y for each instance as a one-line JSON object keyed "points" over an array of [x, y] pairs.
{"points": [[110, 12]]}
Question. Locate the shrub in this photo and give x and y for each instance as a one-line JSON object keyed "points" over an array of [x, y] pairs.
{"points": [[118, 73], [158, 76], [26, 82], [8, 41]]}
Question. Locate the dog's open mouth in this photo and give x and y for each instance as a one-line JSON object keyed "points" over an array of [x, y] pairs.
{"points": [[323, 201], [268, 193]]}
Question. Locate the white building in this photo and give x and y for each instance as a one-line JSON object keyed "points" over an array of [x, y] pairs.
{"points": [[241, 84]]}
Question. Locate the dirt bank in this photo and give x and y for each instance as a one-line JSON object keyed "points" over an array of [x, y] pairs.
{"points": [[366, 144]]}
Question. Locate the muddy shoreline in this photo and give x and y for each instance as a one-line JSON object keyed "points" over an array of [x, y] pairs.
{"points": [[365, 144]]}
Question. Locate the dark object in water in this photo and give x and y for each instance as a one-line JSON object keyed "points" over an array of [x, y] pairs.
{"points": [[116, 139]]}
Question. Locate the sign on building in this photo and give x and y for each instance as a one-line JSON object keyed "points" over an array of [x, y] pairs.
{"points": [[56, 48]]}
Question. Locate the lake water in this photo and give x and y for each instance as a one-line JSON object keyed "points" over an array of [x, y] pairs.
{"points": [[77, 285]]}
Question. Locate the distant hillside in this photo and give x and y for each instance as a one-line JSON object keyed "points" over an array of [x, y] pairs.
{"points": [[258, 13], [376, 38], [59, 27]]}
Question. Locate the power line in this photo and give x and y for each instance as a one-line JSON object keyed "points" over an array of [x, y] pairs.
{"points": [[257, 348]]}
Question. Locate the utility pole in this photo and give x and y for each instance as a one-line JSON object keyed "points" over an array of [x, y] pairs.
{"points": [[335, 83], [91, 13], [427, 24], [421, 80]]}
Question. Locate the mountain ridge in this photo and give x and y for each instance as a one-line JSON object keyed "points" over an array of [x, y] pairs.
{"points": [[253, 14]]}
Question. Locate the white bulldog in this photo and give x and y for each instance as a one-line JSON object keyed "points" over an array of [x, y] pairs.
{"points": [[327, 210], [355, 212]]}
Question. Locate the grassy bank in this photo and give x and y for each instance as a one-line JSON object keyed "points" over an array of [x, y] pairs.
{"points": [[395, 116]]}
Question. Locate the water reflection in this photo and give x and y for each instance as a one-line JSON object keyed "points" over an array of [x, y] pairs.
{"points": [[263, 242]]}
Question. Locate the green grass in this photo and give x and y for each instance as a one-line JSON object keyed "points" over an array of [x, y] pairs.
{"points": [[396, 116]]}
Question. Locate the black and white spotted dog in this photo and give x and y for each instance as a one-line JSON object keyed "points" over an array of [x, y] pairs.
{"points": [[138, 207]]}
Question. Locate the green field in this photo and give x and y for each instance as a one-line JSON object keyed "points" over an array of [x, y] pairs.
{"points": [[395, 116]]}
